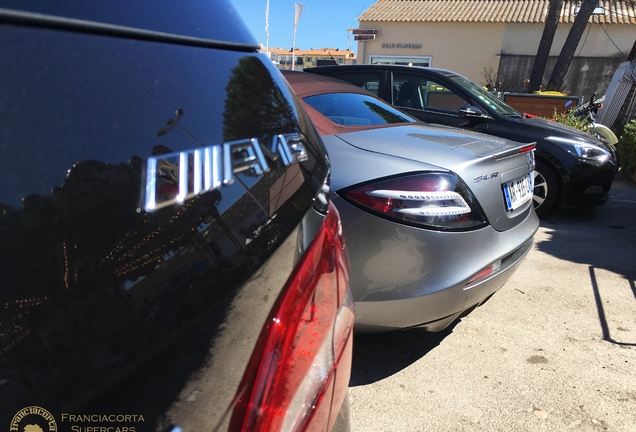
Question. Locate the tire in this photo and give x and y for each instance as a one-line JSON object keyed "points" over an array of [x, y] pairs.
{"points": [[546, 188]]}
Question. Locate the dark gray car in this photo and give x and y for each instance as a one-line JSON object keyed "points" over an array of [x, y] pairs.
{"points": [[436, 219], [573, 168]]}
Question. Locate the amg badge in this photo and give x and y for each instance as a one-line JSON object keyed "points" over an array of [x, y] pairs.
{"points": [[175, 177]]}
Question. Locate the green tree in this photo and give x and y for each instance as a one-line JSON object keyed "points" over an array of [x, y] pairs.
{"points": [[255, 106]]}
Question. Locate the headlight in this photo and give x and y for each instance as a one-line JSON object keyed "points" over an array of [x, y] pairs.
{"points": [[583, 151], [591, 152]]}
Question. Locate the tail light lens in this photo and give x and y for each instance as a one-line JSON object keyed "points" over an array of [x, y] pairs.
{"points": [[439, 201], [290, 382]]}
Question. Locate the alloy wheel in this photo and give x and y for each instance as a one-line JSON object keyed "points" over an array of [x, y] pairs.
{"points": [[546, 188], [540, 190]]}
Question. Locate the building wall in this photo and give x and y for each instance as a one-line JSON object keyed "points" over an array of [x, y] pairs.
{"points": [[586, 75], [450, 47], [597, 41], [507, 48], [600, 51]]}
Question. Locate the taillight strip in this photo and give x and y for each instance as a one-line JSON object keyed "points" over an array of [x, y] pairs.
{"points": [[296, 355], [415, 195], [430, 200], [515, 151], [321, 370], [527, 148]]}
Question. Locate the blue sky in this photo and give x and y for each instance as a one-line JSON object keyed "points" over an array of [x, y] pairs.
{"points": [[323, 23]]}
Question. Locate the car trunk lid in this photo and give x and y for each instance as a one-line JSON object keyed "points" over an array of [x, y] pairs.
{"points": [[497, 171]]}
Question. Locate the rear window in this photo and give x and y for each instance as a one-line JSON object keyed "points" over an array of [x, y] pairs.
{"points": [[80, 98], [350, 109], [367, 80]]}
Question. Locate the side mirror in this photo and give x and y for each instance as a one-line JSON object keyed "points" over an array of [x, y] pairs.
{"points": [[471, 111]]}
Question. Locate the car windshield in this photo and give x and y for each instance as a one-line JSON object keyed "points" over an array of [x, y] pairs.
{"points": [[351, 109], [485, 96]]}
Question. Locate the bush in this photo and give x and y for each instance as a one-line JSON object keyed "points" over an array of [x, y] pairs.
{"points": [[568, 118], [627, 148]]}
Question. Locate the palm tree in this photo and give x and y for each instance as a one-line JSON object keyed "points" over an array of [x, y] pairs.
{"points": [[543, 52], [571, 42]]}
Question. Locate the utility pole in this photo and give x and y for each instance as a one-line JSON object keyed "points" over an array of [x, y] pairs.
{"points": [[298, 10], [267, 29]]}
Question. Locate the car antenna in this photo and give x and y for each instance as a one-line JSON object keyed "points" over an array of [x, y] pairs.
{"points": [[334, 60]]}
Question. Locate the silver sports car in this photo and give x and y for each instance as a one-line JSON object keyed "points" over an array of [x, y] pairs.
{"points": [[436, 219]]}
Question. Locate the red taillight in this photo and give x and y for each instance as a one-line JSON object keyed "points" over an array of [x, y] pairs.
{"points": [[527, 148], [290, 378], [485, 272], [435, 200]]}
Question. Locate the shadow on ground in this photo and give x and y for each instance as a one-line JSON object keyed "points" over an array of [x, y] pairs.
{"points": [[379, 355], [603, 237]]}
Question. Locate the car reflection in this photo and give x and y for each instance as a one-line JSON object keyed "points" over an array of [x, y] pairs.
{"points": [[93, 286]]}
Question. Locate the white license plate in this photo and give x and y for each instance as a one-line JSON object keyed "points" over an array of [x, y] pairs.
{"points": [[518, 192]]}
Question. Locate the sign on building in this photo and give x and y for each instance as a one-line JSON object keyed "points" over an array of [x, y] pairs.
{"points": [[365, 31]]}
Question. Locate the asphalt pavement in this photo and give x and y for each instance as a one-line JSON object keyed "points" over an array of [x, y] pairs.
{"points": [[553, 350]]}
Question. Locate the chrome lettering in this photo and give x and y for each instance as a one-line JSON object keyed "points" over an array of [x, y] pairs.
{"points": [[177, 177], [486, 177], [239, 156], [212, 168], [287, 148]]}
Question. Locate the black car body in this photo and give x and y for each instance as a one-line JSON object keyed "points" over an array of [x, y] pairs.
{"points": [[169, 259], [573, 168]]}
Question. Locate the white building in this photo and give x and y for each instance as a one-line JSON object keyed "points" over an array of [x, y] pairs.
{"points": [[472, 36]]}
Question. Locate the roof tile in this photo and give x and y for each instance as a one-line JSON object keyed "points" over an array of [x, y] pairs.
{"points": [[523, 11]]}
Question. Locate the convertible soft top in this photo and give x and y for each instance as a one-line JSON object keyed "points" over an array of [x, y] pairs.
{"points": [[306, 85]]}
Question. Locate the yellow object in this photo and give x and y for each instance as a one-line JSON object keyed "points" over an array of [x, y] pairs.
{"points": [[550, 93]]}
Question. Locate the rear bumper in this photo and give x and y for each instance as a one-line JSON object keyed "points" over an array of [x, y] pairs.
{"points": [[405, 277], [438, 309]]}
